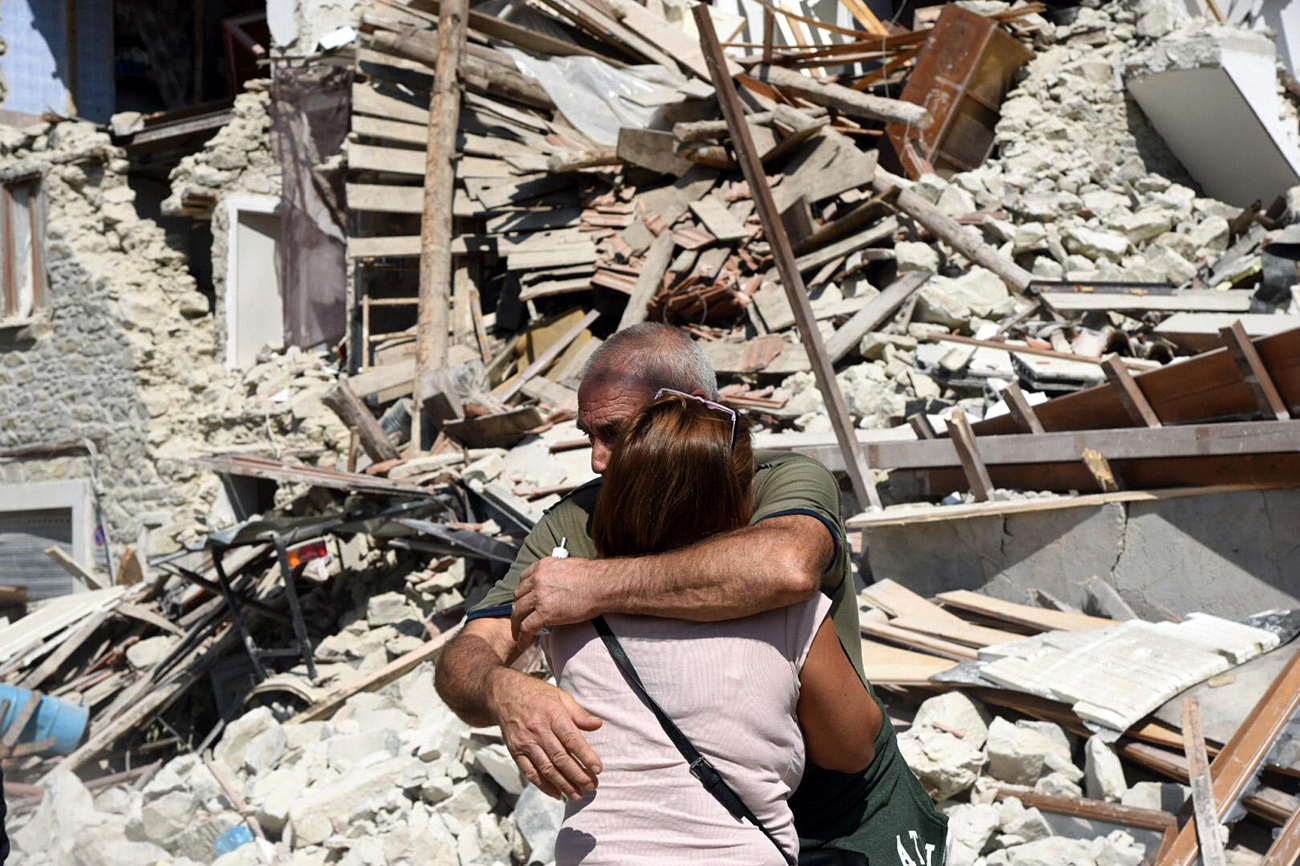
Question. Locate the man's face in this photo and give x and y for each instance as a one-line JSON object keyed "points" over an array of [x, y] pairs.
{"points": [[604, 405]]}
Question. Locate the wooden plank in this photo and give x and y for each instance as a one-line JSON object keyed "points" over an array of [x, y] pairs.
{"points": [[385, 199], [842, 99], [897, 601], [1199, 332], [145, 615], [881, 231], [1090, 810], [667, 36], [1191, 300], [546, 358], [963, 440], [74, 568], [393, 160], [389, 130], [959, 631], [888, 665], [376, 380], [718, 220], [1237, 763], [1021, 614], [920, 424], [368, 100], [935, 514], [873, 315], [1026, 417], [649, 281], [75, 641], [501, 28], [774, 230], [653, 149], [917, 640], [1205, 814], [1254, 372], [1129, 394]]}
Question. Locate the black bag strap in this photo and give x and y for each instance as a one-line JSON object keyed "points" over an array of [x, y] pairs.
{"points": [[699, 765]]}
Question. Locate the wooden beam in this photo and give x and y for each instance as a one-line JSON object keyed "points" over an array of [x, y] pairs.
{"points": [[548, 357], [1285, 850], [355, 416], [774, 230], [1205, 814], [1022, 614], [1236, 764], [920, 422], [72, 567], [948, 230], [1253, 371], [1024, 414], [432, 331], [963, 439], [870, 317], [843, 99], [649, 281], [1129, 393]]}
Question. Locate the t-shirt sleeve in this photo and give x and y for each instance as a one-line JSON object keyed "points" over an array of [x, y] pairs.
{"points": [[801, 486], [501, 597], [801, 624]]}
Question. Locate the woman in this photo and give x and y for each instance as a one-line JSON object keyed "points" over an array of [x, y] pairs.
{"points": [[756, 696]]}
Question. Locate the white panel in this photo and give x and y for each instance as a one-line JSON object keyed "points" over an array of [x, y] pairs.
{"points": [[24, 536], [254, 295]]}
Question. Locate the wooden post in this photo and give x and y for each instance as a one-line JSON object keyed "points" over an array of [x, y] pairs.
{"points": [[921, 424], [1129, 393], [1252, 368], [855, 460], [1026, 417], [436, 223], [1198, 769], [963, 439], [769, 33]]}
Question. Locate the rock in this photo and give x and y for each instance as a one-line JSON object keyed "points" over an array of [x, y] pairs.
{"points": [[952, 302], [1210, 235], [350, 750], [315, 812], [958, 714], [197, 840], [390, 609], [166, 817], [1029, 237], [1058, 784], [1118, 849], [872, 346], [1094, 244], [1161, 796], [240, 734], [970, 827], [1103, 772], [916, 256], [265, 751], [67, 806], [1139, 227], [1018, 752], [945, 764], [956, 202], [484, 469], [1052, 851], [462, 809], [538, 818], [150, 651], [275, 793], [494, 759]]}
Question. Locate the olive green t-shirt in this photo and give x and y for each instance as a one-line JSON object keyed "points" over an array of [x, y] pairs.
{"points": [[831, 809]]}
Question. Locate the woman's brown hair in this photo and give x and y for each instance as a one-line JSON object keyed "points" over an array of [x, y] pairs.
{"points": [[674, 478]]}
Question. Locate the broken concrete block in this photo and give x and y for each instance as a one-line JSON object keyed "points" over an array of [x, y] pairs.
{"points": [[1027, 824], [265, 750], [956, 713], [873, 344], [495, 760], [150, 651], [1210, 235], [1103, 772], [538, 818], [1018, 752], [390, 609], [945, 764], [1117, 849], [348, 751], [1161, 796], [970, 827], [916, 256], [955, 201], [1140, 227], [315, 812], [1052, 851], [462, 809], [240, 734], [952, 302], [1094, 243]]}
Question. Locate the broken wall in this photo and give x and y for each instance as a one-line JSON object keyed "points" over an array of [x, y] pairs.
{"points": [[297, 25], [124, 353], [1230, 554]]}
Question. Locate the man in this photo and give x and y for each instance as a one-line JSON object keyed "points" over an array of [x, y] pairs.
{"points": [[794, 546]]}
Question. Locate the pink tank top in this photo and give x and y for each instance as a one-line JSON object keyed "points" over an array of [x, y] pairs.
{"points": [[732, 687]]}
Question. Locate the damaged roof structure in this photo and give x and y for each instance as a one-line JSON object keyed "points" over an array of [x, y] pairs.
{"points": [[291, 334]]}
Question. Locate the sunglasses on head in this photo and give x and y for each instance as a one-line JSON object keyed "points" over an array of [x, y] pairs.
{"points": [[730, 413]]}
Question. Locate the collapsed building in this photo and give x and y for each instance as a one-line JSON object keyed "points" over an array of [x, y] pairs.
{"points": [[1050, 280]]}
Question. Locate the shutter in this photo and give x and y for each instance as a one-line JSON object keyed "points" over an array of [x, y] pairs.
{"points": [[24, 535]]}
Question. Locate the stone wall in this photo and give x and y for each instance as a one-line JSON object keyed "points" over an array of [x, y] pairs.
{"points": [[124, 353], [1230, 554]]}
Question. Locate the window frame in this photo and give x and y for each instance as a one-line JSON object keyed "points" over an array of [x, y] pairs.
{"points": [[36, 217]]}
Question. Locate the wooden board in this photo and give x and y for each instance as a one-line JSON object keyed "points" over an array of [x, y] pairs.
{"points": [[718, 220], [960, 631], [915, 640], [887, 665], [897, 600], [1022, 614], [1207, 301]]}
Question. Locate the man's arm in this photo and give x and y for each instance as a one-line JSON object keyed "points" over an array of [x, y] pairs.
{"points": [[540, 723], [777, 562]]}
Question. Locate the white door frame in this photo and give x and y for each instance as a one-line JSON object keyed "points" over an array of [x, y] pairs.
{"points": [[250, 203]]}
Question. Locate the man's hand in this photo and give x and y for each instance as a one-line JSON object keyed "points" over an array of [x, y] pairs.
{"points": [[541, 725], [555, 592]]}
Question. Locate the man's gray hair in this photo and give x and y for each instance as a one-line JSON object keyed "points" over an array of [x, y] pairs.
{"points": [[654, 356]]}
